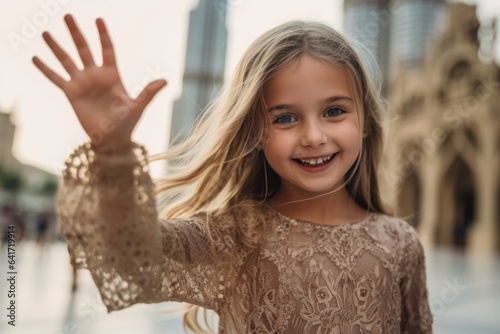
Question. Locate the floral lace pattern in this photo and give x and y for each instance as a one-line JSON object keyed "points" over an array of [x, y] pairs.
{"points": [[364, 277]]}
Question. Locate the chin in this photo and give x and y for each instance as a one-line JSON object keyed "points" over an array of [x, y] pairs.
{"points": [[319, 189]]}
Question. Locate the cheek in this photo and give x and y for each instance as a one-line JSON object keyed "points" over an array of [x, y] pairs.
{"points": [[349, 135], [277, 148], [277, 141]]}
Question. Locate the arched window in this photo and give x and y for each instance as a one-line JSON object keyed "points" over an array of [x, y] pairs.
{"points": [[459, 71]]}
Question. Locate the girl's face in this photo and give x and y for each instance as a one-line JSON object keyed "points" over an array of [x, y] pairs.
{"points": [[315, 135]]}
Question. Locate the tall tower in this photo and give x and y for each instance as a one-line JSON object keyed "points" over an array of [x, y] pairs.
{"points": [[415, 24], [367, 24], [394, 32], [204, 66]]}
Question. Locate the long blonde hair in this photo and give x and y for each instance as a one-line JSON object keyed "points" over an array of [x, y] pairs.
{"points": [[220, 167]]}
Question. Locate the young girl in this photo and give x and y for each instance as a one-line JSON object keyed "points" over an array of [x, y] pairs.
{"points": [[272, 214]]}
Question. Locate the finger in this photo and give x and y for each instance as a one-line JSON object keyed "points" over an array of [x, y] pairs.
{"points": [[148, 93], [60, 54], [108, 53], [51, 75], [80, 42]]}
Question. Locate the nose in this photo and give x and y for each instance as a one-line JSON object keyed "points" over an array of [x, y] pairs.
{"points": [[312, 134]]}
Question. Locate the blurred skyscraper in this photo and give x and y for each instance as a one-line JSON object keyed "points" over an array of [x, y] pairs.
{"points": [[415, 25], [204, 66], [367, 23], [394, 32]]}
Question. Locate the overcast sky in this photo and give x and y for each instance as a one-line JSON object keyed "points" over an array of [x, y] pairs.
{"points": [[150, 41]]}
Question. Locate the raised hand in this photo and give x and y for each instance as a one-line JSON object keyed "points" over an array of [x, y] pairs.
{"points": [[96, 93]]}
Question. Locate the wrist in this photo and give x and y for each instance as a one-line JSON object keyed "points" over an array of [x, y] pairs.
{"points": [[108, 148]]}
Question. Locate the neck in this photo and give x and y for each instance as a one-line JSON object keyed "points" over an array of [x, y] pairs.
{"points": [[333, 208]]}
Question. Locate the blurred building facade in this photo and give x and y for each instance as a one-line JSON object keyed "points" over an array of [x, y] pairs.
{"points": [[7, 129], [204, 65], [31, 187], [443, 156]]}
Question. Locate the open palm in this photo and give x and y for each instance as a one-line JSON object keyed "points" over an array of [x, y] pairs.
{"points": [[103, 107]]}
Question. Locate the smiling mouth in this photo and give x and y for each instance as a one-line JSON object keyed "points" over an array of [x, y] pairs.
{"points": [[315, 162]]}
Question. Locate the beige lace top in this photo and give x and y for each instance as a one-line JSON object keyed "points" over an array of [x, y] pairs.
{"points": [[364, 277]]}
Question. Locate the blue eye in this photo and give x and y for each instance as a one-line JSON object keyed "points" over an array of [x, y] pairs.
{"points": [[334, 112], [284, 119]]}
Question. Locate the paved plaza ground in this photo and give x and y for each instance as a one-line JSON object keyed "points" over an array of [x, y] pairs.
{"points": [[464, 296]]}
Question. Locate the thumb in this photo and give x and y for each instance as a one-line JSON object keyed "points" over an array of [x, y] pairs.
{"points": [[148, 93]]}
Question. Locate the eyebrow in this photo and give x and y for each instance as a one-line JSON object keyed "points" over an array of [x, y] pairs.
{"points": [[328, 100]]}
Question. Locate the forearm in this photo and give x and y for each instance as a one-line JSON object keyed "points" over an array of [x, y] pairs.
{"points": [[108, 215]]}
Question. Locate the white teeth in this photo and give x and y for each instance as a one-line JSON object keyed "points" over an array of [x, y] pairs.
{"points": [[316, 161]]}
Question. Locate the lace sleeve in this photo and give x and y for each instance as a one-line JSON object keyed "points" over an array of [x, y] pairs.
{"points": [[416, 314], [107, 213]]}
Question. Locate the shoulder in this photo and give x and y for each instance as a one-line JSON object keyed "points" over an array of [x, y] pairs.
{"points": [[203, 223], [396, 226], [400, 242], [247, 225], [201, 233], [395, 232]]}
